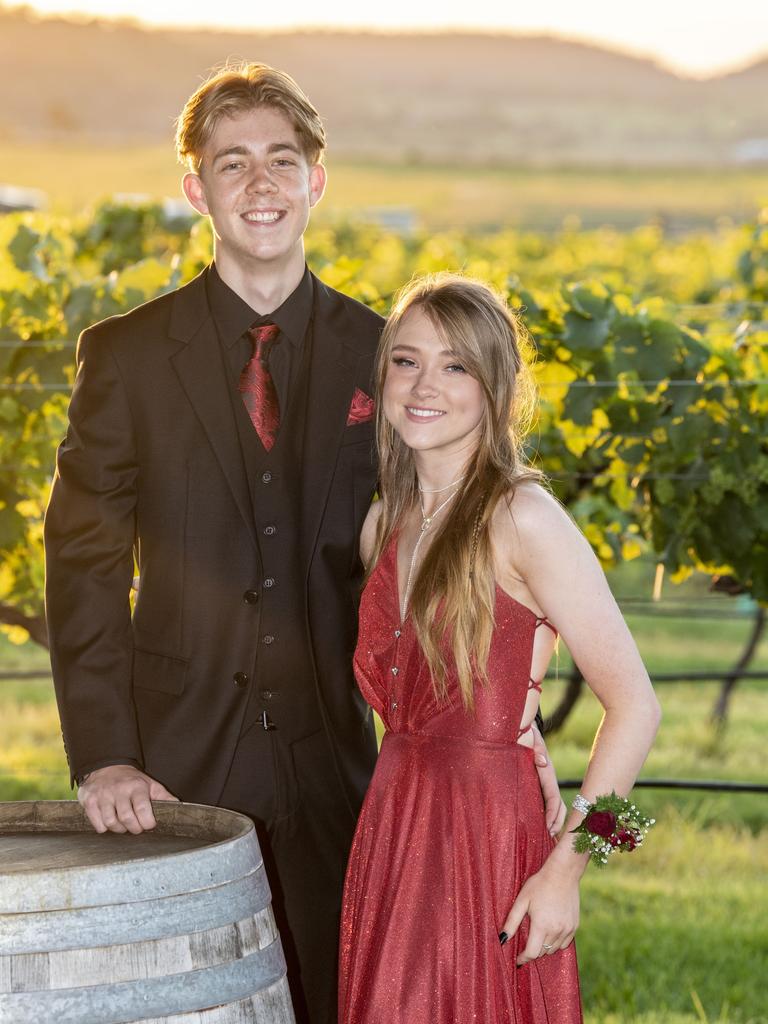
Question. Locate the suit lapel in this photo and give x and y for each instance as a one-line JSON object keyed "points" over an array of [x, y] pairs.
{"points": [[200, 369], [332, 380]]}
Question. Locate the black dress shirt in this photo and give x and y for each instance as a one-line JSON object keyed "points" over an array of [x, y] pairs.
{"points": [[233, 316]]}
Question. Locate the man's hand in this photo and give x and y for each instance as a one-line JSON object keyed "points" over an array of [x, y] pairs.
{"points": [[553, 804], [118, 798]]}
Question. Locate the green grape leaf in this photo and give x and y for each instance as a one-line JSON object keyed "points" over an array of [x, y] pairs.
{"points": [[583, 333], [592, 303], [578, 405]]}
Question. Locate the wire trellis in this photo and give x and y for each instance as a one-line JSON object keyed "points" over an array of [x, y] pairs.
{"points": [[730, 382], [708, 785], [705, 785], [632, 474]]}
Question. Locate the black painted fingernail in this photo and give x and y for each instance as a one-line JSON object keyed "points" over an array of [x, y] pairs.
{"points": [[503, 937]]}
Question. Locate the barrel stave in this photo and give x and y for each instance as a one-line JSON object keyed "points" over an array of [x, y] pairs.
{"points": [[184, 937]]}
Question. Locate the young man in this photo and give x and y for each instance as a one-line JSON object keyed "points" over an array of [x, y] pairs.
{"points": [[222, 435]]}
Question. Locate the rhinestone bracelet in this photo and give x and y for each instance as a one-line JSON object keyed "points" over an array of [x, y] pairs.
{"points": [[581, 804]]}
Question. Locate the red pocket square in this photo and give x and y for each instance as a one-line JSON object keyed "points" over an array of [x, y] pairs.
{"points": [[361, 409]]}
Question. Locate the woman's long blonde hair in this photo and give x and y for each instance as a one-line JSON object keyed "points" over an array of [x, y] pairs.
{"points": [[452, 602]]}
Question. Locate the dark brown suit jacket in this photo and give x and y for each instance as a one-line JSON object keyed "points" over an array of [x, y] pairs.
{"points": [[151, 469]]}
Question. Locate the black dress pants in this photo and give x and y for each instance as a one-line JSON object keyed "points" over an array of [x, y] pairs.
{"points": [[305, 828]]}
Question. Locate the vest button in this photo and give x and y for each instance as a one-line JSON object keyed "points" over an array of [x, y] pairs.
{"points": [[269, 581], [251, 597], [268, 639], [266, 477], [240, 679], [270, 531]]}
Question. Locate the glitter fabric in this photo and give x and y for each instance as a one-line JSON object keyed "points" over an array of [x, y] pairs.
{"points": [[452, 825]]}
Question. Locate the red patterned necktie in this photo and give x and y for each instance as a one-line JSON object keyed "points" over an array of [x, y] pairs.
{"points": [[257, 387]]}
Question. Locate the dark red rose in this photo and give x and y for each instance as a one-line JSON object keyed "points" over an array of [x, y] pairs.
{"points": [[614, 841], [601, 823], [625, 835]]}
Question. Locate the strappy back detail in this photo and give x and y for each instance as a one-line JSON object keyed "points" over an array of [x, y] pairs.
{"points": [[533, 684]]}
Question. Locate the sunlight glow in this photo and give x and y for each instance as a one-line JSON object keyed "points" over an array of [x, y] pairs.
{"points": [[686, 35]]}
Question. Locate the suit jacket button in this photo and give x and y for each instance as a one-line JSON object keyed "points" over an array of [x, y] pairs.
{"points": [[240, 679], [268, 639], [251, 597], [269, 581], [266, 477], [270, 530]]}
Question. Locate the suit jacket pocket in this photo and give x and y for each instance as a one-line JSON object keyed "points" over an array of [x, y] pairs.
{"points": [[160, 672]]}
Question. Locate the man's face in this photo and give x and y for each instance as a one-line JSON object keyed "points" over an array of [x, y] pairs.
{"points": [[257, 187]]}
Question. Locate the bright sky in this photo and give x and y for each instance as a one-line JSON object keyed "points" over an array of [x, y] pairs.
{"points": [[691, 36]]}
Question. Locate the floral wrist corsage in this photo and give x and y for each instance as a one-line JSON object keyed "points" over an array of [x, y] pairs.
{"points": [[611, 823]]}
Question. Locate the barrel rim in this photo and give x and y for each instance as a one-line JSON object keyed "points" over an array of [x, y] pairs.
{"points": [[166, 812]]}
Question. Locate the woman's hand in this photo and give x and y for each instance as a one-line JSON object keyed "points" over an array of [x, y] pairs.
{"points": [[555, 809], [550, 898]]}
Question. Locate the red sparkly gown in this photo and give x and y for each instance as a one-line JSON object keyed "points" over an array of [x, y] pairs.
{"points": [[452, 825]]}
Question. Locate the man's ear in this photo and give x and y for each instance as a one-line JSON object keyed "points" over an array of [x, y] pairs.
{"points": [[317, 182], [192, 186]]}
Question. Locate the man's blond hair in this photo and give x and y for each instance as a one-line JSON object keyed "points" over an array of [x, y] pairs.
{"points": [[237, 89]]}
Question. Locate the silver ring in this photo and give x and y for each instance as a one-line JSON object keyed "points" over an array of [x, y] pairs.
{"points": [[546, 946]]}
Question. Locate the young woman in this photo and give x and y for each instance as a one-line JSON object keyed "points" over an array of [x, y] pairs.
{"points": [[459, 906]]}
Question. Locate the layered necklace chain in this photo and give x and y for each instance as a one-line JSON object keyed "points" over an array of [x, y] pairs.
{"points": [[426, 522], [439, 490]]}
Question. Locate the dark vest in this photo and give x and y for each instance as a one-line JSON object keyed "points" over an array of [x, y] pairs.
{"points": [[281, 681]]}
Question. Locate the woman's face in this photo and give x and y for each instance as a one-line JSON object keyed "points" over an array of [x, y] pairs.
{"points": [[429, 398]]}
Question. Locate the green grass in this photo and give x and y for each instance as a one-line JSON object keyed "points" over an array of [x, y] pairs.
{"points": [[32, 761], [687, 747], [680, 922], [441, 197]]}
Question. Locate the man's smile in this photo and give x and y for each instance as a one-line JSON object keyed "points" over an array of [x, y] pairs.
{"points": [[263, 216]]}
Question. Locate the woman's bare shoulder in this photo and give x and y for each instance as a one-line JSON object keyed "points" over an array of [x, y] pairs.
{"points": [[529, 506], [531, 518]]}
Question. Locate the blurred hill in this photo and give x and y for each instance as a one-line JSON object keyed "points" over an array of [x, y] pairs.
{"points": [[457, 98]]}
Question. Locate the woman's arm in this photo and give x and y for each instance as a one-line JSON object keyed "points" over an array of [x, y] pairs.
{"points": [[563, 578]]}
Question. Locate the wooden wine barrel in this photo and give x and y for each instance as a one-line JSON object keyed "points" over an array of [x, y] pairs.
{"points": [[173, 925]]}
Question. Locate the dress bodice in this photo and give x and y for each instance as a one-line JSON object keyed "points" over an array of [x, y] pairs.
{"points": [[393, 675]]}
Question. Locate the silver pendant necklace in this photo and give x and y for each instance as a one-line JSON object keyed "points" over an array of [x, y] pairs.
{"points": [[426, 522]]}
